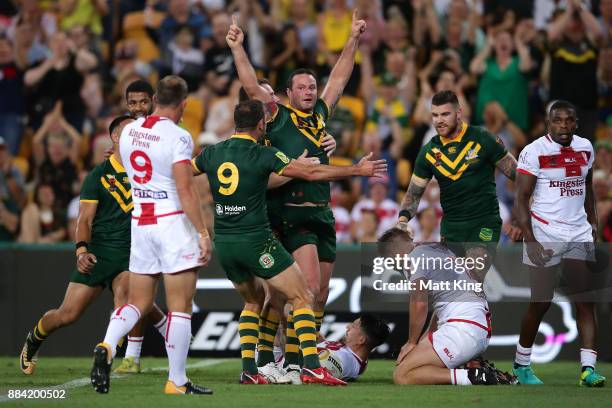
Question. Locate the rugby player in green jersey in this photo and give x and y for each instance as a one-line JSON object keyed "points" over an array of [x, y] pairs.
{"points": [[102, 249], [463, 159], [238, 170], [303, 216]]}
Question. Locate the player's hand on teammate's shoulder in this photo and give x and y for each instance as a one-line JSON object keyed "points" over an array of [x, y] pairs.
{"points": [[372, 168], [234, 36], [329, 144], [406, 348], [308, 161], [357, 26], [205, 247], [85, 262]]}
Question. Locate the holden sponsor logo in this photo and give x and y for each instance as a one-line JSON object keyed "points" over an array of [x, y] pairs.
{"points": [[222, 209]]}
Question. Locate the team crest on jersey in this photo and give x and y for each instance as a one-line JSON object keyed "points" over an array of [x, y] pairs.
{"points": [[471, 155], [111, 182], [452, 150], [126, 180], [266, 260], [282, 157], [219, 209], [486, 234]]}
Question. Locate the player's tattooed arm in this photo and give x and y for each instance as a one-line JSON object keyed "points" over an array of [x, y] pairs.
{"points": [[411, 200], [589, 204], [507, 165]]}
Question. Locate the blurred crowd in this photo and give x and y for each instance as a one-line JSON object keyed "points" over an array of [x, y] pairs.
{"points": [[65, 65]]}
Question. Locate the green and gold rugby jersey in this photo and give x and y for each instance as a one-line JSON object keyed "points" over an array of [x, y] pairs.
{"points": [[465, 170], [108, 186], [293, 131], [238, 170]]}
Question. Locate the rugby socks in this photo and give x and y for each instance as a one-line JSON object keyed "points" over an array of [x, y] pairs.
{"points": [[121, 322], [522, 356], [161, 326], [306, 330], [37, 336], [588, 358], [292, 343], [248, 329], [134, 347], [178, 335], [459, 377], [318, 315], [268, 324]]}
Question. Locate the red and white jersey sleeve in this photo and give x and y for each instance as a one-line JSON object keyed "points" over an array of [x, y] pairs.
{"points": [[352, 365], [561, 173], [149, 147]]}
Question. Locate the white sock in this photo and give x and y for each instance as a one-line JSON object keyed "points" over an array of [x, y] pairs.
{"points": [[588, 357], [161, 326], [133, 348], [178, 335], [523, 355], [121, 322], [459, 377]]}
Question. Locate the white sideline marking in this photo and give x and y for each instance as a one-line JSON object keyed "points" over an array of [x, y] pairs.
{"points": [[80, 382]]}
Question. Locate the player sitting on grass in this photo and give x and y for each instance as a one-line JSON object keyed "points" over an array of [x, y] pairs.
{"points": [[460, 327]]}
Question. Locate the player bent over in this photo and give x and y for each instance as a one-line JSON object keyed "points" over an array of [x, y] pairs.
{"points": [[238, 170], [103, 250], [463, 326], [169, 238], [560, 225]]}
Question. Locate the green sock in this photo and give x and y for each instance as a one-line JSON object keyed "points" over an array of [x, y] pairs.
{"points": [[305, 327], [248, 329], [268, 324], [292, 344]]}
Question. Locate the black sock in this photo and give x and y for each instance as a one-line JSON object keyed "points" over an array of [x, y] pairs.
{"points": [[585, 367], [517, 365]]}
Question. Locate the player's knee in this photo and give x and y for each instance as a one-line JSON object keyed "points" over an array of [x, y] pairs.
{"points": [[540, 308], [68, 316], [401, 376]]}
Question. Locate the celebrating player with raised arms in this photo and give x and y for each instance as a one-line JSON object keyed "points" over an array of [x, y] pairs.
{"points": [[238, 170], [299, 210]]}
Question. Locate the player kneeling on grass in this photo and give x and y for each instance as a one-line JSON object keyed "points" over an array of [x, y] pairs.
{"points": [[460, 327], [347, 359], [238, 170]]}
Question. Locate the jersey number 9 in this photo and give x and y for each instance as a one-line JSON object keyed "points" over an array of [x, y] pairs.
{"points": [[141, 166], [229, 183]]}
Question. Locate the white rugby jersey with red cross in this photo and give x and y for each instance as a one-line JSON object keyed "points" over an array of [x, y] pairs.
{"points": [[561, 173], [149, 147]]}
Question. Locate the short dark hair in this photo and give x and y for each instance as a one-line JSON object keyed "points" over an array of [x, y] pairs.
{"points": [[116, 122], [299, 71], [392, 233], [561, 104], [139, 85], [444, 97], [375, 329], [242, 95], [248, 114], [171, 91]]}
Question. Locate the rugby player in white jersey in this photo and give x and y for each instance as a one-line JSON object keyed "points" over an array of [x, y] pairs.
{"points": [[555, 174], [169, 237], [461, 324]]}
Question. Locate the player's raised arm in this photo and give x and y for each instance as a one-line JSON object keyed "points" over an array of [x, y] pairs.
{"points": [[341, 73], [246, 72], [321, 172]]}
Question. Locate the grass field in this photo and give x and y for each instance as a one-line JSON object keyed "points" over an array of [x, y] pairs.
{"points": [[374, 389]]}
